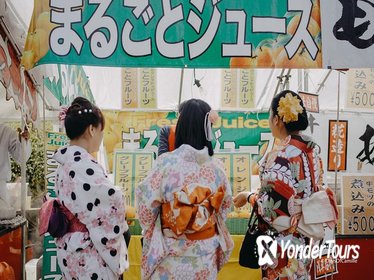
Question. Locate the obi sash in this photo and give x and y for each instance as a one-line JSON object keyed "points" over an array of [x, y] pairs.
{"points": [[310, 215], [74, 224], [65, 221], [191, 214]]}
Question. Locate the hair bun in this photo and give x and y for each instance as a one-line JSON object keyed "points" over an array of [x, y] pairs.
{"points": [[80, 115], [290, 108]]}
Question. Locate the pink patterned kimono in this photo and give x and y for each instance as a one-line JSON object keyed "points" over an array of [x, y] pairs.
{"points": [[83, 188], [182, 207]]}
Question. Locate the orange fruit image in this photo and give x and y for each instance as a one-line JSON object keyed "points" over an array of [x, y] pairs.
{"points": [[301, 59], [243, 62]]}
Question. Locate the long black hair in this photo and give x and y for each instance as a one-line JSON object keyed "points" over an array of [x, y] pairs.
{"points": [[302, 122], [190, 127], [80, 115]]}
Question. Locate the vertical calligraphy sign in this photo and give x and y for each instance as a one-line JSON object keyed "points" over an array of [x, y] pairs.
{"points": [[247, 87], [238, 171], [123, 174], [129, 88], [241, 173], [358, 203], [142, 166], [338, 136], [229, 89], [147, 88], [130, 168]]}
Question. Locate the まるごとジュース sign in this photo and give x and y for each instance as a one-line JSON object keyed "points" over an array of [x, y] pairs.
{"points": [[202, 34], [164, 33]]}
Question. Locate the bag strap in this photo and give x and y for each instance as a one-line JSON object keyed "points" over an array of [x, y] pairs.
{"points": [[250, 225]]}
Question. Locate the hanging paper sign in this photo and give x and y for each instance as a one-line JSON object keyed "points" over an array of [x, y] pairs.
{"points": [[129, 88], [241, 176], [247, 88], [360, 89], [310, 101], [338, 136], [147, 88], [195, 34], [358, 203], [229, 89]]}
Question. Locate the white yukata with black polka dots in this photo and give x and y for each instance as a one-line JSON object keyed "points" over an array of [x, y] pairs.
{"points": [[83, 187]]}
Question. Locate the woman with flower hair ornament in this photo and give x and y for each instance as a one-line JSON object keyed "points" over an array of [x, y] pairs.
{"points": [[183, 204], [288, 174]]}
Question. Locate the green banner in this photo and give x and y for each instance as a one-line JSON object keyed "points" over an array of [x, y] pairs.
{"points": [[161, 33], [71, 82], [55, 140]]}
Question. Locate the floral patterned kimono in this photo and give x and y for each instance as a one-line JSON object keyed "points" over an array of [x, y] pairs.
{"points": [[83, 188], [182, 208], [292, 171]]}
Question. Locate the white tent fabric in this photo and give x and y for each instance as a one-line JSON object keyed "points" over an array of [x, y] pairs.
{"points": [[105, 84]]}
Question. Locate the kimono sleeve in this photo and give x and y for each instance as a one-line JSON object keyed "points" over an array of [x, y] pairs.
{"points": [[101, 207], [227, 200], [148, 195], [277, 187]]}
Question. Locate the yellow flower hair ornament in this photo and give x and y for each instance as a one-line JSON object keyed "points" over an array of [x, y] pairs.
{"points": [[289, 108]]}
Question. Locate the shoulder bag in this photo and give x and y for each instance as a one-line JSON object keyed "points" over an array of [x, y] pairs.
{"points": [[248, 256]]}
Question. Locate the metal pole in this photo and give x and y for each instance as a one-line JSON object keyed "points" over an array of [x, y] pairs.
{"points": [[337, 125], [23, 174], [306, 80], [263, 93], [280, 78], [181, 87], [286, 84], [44, 129], [299, 79], [322, 83]]}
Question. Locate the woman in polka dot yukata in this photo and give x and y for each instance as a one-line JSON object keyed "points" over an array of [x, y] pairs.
{"points": [[183, 203], [95, 246]]}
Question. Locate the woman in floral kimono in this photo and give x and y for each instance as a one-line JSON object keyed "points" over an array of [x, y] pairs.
{"points": [[183, 203], [289, 174], [94, 247]]}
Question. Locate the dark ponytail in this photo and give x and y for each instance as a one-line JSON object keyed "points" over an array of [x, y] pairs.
{"points": [[190, 127]]}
